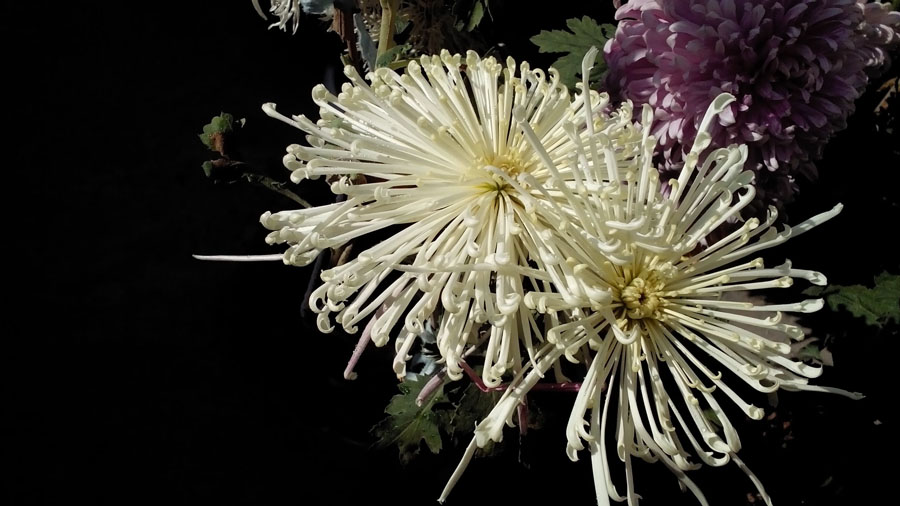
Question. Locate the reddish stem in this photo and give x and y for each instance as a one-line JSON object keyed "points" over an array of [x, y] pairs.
{"points": [[557, 387], [477, 379]]}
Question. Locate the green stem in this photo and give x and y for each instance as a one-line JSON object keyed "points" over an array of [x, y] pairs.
{"points": [[386, 33], [275, 186]]}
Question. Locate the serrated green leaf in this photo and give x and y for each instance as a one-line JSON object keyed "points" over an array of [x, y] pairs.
{"points": [[390, 55], [222, 123], [408, 424], [582, 35], [458, 420], [814, 291], [473, 407], [876, 305], [810, 352]]}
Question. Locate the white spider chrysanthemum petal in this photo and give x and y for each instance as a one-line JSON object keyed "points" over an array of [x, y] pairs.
{"points": [[289, 11], [473, 158], [656, 315]]}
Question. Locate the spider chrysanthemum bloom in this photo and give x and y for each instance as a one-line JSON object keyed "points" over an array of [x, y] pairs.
{"points": [[655, 327], [796, 67], [472, 157]]}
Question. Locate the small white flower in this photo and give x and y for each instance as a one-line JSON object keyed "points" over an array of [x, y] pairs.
{"points": [[653, 324], [471, 158]]}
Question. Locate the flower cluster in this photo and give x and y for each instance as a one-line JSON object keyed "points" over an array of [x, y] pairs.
{"points": [[532, 225], [474, 160], [795, 67]]}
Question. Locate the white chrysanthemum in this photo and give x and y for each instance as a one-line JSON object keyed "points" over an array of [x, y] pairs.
{"points": [[473, 159], [654, 325]]}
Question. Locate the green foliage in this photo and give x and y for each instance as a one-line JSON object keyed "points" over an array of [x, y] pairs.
{"points": [[583, 33], [390, 55], [470, 16], [713, 417], [810, 352], [453, 411], [476, 16], [876, 305], [400, 24], [407, 425], [208, 168], [473, 407], [221, 124], [462, 417]]}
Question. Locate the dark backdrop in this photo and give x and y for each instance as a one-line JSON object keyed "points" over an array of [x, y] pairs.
{"points": [[142, 376]]}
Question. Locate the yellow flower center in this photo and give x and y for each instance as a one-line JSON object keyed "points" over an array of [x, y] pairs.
{"points": [[510, 166], [642, 295]]}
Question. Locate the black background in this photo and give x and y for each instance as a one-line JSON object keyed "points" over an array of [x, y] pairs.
{"points": [[142, 376]]}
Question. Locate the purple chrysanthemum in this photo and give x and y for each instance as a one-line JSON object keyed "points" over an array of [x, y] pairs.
{"points": [[795, 66]]}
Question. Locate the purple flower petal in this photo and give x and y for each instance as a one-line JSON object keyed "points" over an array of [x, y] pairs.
{"points": [[795, 66]]}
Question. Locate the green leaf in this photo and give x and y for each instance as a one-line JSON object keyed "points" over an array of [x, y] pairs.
{"points": [[400, 23], [407, 424], [583, 33], [473, 407], [459, 419], [224, 123], [713, 417], [390, 55], [877, 305], [208, 168], [475, 17], [810, 352]]}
